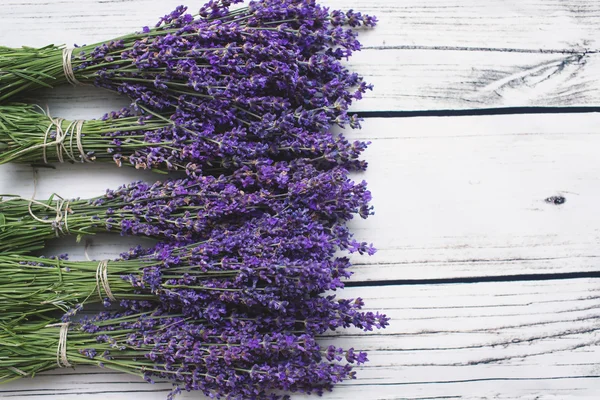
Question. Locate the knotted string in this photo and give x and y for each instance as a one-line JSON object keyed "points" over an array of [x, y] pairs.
{"points": [[62, 214], [102, 280], [67, 58], [60, 137], [73, 130], [62, 209], [61, 352]]}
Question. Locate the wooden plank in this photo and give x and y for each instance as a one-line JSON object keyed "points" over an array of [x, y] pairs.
{"points": [[530, 25], [454, 197], [435, 56], [503, 340], [523, 25], [408, 80], [466, 196]]}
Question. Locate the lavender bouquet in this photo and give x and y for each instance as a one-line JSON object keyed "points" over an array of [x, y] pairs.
{"points": [[185, 210], [153, 141], [268, 44], [268, 266], [270, 72], [233, 359]]}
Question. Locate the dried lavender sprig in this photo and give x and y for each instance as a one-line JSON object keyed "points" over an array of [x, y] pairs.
{"points": [[33, 286], [273, 269], [153, 141], [227, 360], [185, 210]]}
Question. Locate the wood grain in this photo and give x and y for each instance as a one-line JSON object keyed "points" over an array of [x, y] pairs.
{"points": [[475, 25], [409, 80], [527, 25], [481, 340]]}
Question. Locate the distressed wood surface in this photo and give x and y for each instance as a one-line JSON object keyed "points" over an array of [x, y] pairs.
{"points": [[458, 199], [430, 55], [526, 25], [417, 80]]}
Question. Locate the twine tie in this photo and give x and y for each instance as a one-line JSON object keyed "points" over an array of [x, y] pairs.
{"points": [[67, 58], [62, 214], [102, 280], [73, 131], [61, 351]]}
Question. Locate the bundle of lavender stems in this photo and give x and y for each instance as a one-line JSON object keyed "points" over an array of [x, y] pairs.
{"points": [[185, 210], [251, 245], [234, 359], [30, 135], [236, 316], [224, 85]]}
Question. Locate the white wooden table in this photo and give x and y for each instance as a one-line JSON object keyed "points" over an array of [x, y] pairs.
{"points": [[493, 291]]}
